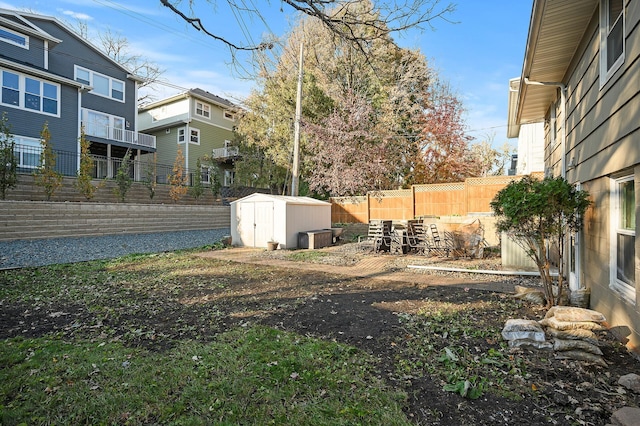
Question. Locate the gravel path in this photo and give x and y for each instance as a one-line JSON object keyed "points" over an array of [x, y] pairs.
{"points": [[25, 253]]}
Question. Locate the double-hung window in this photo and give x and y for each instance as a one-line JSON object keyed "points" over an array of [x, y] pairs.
{"points": [[205, 174], [203, 110], [194, 136], [25, 92], [103, 85], [181, 136], [611, 38], [623, 237]]}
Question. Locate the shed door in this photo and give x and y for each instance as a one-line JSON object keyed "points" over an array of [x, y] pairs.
{"points": [[263, 223], [256, 223]]}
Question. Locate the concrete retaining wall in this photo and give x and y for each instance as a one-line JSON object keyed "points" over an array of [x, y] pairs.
{"points": [[41, 219]]}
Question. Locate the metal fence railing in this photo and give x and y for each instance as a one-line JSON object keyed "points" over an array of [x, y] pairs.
{"points": [[28, 160]]}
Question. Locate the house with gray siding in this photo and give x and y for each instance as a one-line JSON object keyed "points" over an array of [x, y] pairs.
{"points": [[51, 74], [580, 78], [200, 125]]}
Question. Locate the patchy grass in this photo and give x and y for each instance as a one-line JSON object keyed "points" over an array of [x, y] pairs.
{"points": [[252, 375], [307, 255]]}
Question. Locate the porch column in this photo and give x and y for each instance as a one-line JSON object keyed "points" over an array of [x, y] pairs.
{"points": [[136, 167], [109, 163]]}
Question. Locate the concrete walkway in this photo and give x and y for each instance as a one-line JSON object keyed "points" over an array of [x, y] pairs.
{"points": [[371, 267]]}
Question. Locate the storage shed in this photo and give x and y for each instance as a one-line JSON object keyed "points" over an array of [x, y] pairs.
{"points": [[259, 218]]}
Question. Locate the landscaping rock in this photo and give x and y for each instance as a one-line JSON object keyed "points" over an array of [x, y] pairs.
{"points": [[630, 381], [626, 416]]}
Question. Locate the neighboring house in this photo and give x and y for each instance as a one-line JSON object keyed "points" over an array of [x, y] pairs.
{"points": [[50, 74], [199, 124], [530, 137], [580, 77]]}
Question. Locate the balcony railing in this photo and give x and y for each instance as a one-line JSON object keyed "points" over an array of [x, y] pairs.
{"points": [[226, 152], [121, 135]]}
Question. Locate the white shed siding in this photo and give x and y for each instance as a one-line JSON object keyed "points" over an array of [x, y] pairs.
{"points": [[259, 218]]}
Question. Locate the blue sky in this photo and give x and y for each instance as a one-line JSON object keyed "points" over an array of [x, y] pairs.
{"points": [[477, 54]]}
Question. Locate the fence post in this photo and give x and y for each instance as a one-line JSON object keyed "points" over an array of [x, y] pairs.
{"points": [[368, 207], [413, 201]]}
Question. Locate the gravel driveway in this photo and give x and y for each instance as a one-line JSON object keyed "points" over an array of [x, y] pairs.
{"points": [[25, 253]]}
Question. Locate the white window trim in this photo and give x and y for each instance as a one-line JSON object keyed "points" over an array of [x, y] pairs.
{"points": [[9, 41], [22, 92], [191, 131], [627, 292], [32, 143], [182, 132], [111, 126], [111, 81], [206, 169], [206, 109], [605, 74], [229, 177]]}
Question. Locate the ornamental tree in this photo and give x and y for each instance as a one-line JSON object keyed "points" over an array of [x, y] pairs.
{"points": [[8, 163], [46, 174], [84, 178], [537, 212]]}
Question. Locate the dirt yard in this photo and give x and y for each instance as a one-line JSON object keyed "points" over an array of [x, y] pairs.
{"points": [[430, 331], [361, 299]]}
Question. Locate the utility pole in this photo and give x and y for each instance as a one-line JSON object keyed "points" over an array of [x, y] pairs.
{"points": [[296, 130]]}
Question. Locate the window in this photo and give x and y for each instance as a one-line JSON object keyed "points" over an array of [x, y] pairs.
{"points": [[203, 110], [29, 93], [14, 38], [181, 135], [27, 152], [228, 115], [611, 38], [103, 125], [205, 174], [117, 90], [10, 88], [103, 85], [229, 177], [623, 253], [194, 136]]}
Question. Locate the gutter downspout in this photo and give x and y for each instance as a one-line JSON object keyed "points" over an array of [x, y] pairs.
{"points": [[563, 146], [563, 111]]}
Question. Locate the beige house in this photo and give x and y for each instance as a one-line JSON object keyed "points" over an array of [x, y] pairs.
{"points": [[580, 77]]}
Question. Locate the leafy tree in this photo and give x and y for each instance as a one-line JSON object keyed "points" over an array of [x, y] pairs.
{"points": [[491, 160], [197, 189], [535, 212], [8, 162], [177, 178], [444, 154], [123, 178], [84, 178], [46, 175], [349, 150], [393, 82]]}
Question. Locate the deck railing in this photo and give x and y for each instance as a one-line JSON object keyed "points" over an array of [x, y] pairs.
{"points": [[226, 152], [121, 135]]}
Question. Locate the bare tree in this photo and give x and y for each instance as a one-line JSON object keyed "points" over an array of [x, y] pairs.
{"points": [[345, 19], [117, 48]]}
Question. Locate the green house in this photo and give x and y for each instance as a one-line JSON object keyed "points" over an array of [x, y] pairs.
{"points": [[200, 125]]}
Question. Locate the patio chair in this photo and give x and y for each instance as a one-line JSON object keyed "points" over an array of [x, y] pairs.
{"points": [[436, 244], [379, 235], [417, 238]]}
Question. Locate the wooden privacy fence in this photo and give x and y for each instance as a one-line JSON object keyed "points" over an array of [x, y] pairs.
{"points": [[474, 195]]}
